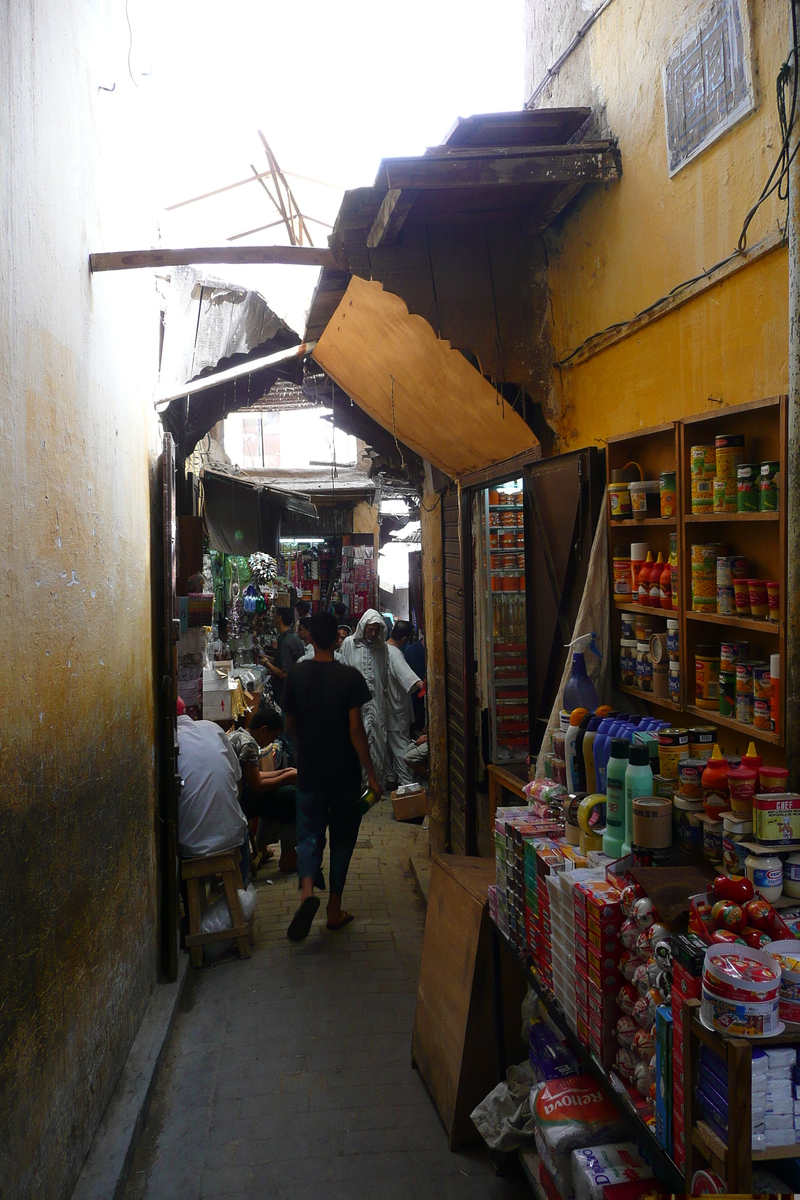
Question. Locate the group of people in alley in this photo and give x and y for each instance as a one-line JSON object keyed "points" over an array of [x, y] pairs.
{"points": [[341, 720]]}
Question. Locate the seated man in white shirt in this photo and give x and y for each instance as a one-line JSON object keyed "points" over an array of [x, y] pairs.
{"points": [[304, 633], [210, 817]]}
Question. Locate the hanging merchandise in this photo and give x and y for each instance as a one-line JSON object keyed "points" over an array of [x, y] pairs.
{"points": [[235, 627], [263, 569]]}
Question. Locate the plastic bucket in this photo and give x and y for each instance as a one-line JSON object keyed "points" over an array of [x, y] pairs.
{"points": [[787, 954]]}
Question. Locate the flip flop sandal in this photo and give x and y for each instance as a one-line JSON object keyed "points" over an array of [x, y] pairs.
{"points": [[347, 917], [301, 921]]}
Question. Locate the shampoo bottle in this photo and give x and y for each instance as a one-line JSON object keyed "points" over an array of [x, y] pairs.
{"points": [[615, 798], [638, 782]]}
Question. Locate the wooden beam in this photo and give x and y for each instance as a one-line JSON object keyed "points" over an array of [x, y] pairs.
{"points": [[433, 609], [393, 211], [305, 256], [465, 169]]}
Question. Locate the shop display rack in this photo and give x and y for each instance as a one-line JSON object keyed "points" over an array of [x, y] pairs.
{"points": [[759, 537], [665, 1170]]}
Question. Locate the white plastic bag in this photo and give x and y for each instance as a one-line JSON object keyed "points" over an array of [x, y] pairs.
{"points": [[217, 916]]}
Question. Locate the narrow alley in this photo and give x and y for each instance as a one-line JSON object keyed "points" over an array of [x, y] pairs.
{"points": [[290, 1073]]}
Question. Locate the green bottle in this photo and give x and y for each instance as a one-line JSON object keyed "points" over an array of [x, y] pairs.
{"points": [[367, 799], [638, 782], [614, 836]]}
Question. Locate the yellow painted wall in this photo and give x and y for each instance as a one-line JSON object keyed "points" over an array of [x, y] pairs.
{"points": [[629, 243]]}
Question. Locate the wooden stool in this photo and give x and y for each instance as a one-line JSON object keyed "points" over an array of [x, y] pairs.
{"points": [[193, 870]]}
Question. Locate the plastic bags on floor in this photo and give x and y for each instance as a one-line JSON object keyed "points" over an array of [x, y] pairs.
{"points": [[217, 916], [503, 1118]]}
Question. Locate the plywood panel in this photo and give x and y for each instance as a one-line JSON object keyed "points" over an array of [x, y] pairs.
{"points": [[443, 408]]}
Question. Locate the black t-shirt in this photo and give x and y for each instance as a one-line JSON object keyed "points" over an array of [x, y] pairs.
{"points": [[320, 695]]}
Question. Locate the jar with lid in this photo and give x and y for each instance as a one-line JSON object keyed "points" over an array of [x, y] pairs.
{"points": [[765, 872], [673, 639], [644, 667], [627, 662], [675, 682], [791, 876]]}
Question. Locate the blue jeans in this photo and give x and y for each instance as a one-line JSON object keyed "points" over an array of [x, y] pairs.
{"points": [[337, 810]]}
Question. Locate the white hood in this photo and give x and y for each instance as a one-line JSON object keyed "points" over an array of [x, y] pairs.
{"points": [[371, 617]]}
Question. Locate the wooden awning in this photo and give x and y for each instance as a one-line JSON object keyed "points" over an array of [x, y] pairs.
{"points": [[412, 383]]}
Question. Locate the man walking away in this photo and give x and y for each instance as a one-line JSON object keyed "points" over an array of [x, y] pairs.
{"points": [[288, 650], [366, 650], [322, 701], [399, 709]]}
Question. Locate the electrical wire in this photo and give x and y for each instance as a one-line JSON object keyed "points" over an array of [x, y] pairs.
{"points": [[130, 44], [781, 185]]}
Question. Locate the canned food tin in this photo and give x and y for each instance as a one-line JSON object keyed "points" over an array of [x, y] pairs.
{"points": [[664, 786], [673, 745], [719, 493], [731, 652], [748, 487], [702, 739], [704, 593], [704, 557], [729, 454], [702, 495], [774, 599], [730, 567], [744, 677], [762, 681], [726, 600], [761, 715], [706, 666], [703, 461], [769, 486], [727, 694], [744, 707], [690, 778]]}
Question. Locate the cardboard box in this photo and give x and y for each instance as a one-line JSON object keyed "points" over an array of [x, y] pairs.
{"points": [[664, 1099], [405, 808]]}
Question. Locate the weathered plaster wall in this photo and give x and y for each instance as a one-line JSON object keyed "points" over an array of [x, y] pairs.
{"points": [[78, 360], [624, 246]]}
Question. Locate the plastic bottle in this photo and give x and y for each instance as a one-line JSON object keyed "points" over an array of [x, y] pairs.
{"points": [[775, 699], [638, 782], [752, 760], [580, 691], [644, 580], [716, 797], [655, 583], [614, 835], [602, 749], [665, 587], [588, 779], [570, 749]]}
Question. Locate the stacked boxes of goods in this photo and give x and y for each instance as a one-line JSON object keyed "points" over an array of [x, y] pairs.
{"points": [[562, 922], [688, 953], [531, 895], [598, 918], [511, 827], [775, 1113]]}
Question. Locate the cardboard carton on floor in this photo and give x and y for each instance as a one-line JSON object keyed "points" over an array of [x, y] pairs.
{"points": [[407, 807]]}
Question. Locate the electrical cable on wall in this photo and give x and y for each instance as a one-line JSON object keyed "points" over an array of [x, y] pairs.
{"points": [[782, 165]]}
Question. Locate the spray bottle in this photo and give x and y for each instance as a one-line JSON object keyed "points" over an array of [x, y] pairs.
{"points": [[580, 691]]}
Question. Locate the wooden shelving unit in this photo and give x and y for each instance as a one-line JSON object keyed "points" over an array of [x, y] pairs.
{"points": [[734, 1157], [759, 537]]}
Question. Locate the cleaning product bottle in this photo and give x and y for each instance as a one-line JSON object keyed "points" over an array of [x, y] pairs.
{"points": [[599, 752], [570, 750], [589, 778], [638, 782], [614, 835], [580, 691]]}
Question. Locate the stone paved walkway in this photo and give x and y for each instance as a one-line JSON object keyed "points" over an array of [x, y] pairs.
{"points": [[290, 1075]]}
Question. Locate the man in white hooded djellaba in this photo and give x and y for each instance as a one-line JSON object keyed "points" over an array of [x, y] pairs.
{"points": [[366, 650]]}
